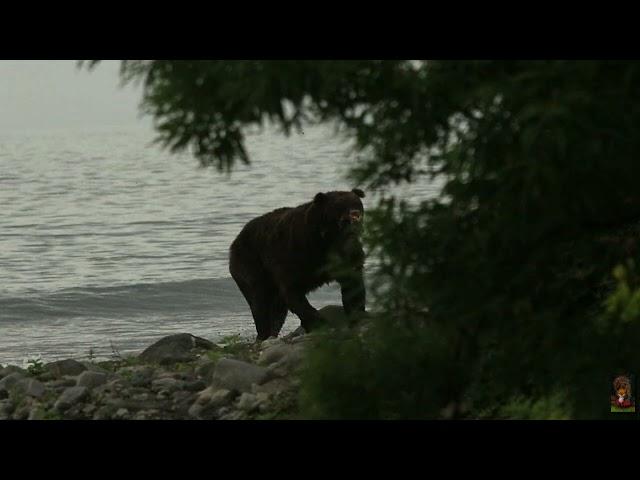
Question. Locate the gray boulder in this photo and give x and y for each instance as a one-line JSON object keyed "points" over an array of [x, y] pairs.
{"points": [[194, 386], [196, 410], [88, 410], [204, 396], [6, 408], [105, 412], [333, 315], [210, 401], [62, 382], [21, 412], [273, 387], [218, 397], [281, 352], [61, 368], [46, 376], [91, 379], [238, 375], [270, 342], [247, 402], [181, 396], [144, 414], [283, 359], [221, 398], [298, 332], [9, 369], [121, 414], [300, 340], [167, 383], [234, 415], [31, 387], [139, 375], [36, 413], [93, 367], [8, 382], [250, 402], [181, 347], [292, 358], [70, 397], [205, 369]]}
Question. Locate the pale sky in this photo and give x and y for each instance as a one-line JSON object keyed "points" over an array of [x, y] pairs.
{"points": [[52, 94]]}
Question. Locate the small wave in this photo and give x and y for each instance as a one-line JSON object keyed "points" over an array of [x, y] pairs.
{"points": [[130, 300], [215, 296]]}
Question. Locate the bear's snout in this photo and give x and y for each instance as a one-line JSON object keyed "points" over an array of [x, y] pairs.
{"points": [[355, 216], [351, 222]]}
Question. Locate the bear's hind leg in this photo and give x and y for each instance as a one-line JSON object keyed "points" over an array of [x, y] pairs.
{"points": [[278, 314], [256, 306], [256, 287], [266, 312]]}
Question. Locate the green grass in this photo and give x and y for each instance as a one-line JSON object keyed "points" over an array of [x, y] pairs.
{"points": [[214, 355], [36, 367], [238, 347], [622, 410], [52, 415]]}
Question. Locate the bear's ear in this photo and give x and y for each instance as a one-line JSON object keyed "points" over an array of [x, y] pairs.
{"points": [[358, 192], [320, 198]]}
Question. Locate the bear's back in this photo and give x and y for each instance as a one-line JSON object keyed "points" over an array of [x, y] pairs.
{"points": [[261, 228]]}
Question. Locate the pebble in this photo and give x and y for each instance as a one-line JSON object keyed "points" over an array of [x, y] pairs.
{"points": [[227, 388]]}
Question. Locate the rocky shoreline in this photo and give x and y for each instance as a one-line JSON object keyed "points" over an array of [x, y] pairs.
{"points": [[180, 377]]}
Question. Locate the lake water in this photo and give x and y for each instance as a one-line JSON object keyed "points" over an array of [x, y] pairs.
{"points": [[109, 243]]}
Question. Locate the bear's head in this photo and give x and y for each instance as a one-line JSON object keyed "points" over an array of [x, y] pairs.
{"points": [[342, 212], [622, 385]]}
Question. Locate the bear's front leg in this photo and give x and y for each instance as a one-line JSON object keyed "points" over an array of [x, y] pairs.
{"points": [[353, 292], [300, 306]]}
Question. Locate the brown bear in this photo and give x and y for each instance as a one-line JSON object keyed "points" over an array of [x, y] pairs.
{"points": [[279, 257]]}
